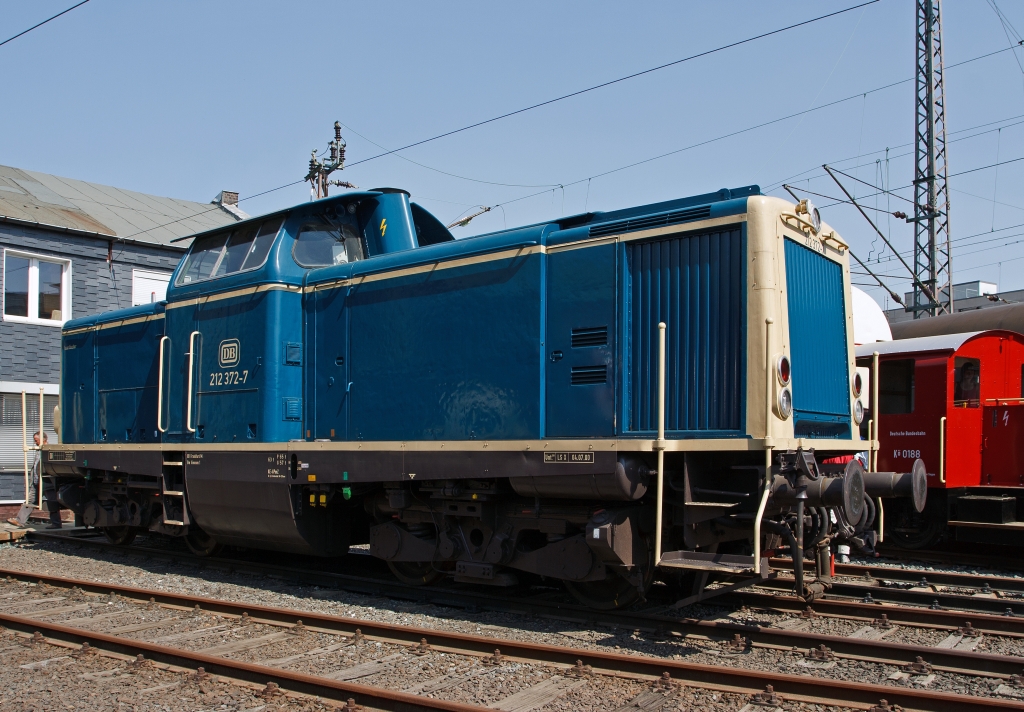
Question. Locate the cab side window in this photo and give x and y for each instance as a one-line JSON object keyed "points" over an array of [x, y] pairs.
{"points": [[896, 387], [966, 383], [204, 257], [320, 244]]}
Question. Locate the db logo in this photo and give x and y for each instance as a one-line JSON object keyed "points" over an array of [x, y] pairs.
{"points": [[228, 353]]}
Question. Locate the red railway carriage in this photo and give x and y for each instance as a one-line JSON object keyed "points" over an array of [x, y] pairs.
{"points": [[954, 400]]}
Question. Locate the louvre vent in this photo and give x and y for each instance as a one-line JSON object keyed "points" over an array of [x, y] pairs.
{"points": [[293, 354], [651, 221], [62, 455], [589, 375], [592, 336], [293, 409]]}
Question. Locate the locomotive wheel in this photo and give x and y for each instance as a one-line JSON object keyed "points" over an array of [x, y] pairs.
{"points": [[909, 529], [615, 591], [120, 536], [202, 544], [415, 573]]}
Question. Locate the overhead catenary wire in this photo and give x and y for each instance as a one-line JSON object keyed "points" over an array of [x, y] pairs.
{"points": [[748, 129], [917, 280], [619, 80], [40, 24]]}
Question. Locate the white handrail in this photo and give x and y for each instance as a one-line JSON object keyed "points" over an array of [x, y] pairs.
{"points": [[660, 445], [160, 387], [767, 442], [191, 379], [942, 449], [876, 408]]}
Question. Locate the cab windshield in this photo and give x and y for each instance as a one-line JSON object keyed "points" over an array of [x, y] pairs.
{"points": [[229, 252]]}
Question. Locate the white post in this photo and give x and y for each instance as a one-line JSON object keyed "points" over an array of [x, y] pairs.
{"points": [[660, 445]]}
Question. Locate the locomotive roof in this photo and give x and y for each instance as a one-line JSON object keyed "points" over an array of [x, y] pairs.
{"points": [[564, 222], [941, 342]]}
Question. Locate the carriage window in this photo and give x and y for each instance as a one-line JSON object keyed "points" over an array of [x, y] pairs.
{"points": [[966, 383], [323, 245], [229, 252], [896, 387]]}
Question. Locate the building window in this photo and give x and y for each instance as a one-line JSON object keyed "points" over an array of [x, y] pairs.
{"points": [[37, 289], [149, 287]]}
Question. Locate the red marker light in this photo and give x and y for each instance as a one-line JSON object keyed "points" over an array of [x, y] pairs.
{"points": [[858, 385], [784, 370]]}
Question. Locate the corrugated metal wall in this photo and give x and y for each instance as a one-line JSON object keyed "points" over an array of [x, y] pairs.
{"points": [[817, 344], [696, 284]]}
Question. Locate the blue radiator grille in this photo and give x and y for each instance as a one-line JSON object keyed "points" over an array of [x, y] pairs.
{"points": [[817, 344], [696, 284]]}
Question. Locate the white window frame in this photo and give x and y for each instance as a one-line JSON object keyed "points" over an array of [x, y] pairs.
{"points": [[153, 275], [33, 289]]}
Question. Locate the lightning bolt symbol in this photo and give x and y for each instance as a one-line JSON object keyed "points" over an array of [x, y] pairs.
{"points": [[383, 226]]}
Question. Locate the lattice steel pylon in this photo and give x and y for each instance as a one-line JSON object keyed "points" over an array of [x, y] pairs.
{"points": [[932, 256]]}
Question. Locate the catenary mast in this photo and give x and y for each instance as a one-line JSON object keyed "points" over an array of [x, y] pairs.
{"points": [[932, 257]]}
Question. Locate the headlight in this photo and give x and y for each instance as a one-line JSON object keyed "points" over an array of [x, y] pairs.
{"points": [[785, 403], [783, 370], [858, 385], [806, 207], [858, 412]]}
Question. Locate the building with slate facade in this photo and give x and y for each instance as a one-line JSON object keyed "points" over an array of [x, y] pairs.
{"points": [[71, 249]]}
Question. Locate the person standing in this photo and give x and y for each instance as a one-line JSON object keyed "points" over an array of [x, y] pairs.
{"points": [[49, 491]]}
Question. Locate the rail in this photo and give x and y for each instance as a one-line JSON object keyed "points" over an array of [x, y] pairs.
{"points": [[191, 379], [160, 386]]}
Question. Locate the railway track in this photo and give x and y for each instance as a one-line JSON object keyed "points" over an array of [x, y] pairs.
{"points": [[925, 595], [803, 637], [1009, 560], [402, 647], [649, 621]]}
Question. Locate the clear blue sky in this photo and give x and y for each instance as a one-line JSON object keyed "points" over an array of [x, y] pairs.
{"points": [[186, 99]]}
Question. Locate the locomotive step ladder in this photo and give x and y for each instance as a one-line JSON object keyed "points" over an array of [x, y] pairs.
{"points": [[173, 489]]}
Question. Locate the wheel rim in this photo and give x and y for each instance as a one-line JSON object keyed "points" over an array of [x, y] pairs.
{"points": [[913, 530], [415, 573], [201, 543], [614, 591], [119, 535]]}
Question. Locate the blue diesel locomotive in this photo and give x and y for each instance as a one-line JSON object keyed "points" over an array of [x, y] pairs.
{"points": [[594, 399]]}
